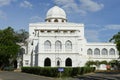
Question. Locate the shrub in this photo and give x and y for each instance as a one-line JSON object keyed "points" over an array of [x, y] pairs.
{"points": [[88, 63], [53, 71], [67, 71], [104, 62], [10, 68], [76, 71]]}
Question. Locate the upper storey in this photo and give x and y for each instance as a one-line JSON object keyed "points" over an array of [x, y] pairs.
{"points": [[56, 14]]}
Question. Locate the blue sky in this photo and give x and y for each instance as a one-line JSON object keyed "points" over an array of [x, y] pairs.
{"points": [[101, 17]]}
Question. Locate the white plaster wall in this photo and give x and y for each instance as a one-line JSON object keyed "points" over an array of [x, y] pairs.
{"points": [[79, 44], [26, 57], [61, 56]]}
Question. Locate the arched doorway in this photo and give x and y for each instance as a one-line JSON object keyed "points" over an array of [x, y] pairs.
{"points": [[58, 63], [47, 62], [15, 64], [68, 62]]}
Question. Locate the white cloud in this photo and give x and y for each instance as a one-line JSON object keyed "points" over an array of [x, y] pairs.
{"points": [[36, 19], [82, 7], [92, 35], [26, 4], [113, 27], [95, 32], [69, 5], [2, 15], [5, 2], [90, 5], [46, 5]]}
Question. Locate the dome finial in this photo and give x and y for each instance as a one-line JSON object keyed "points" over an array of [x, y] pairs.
{"points": [[55, 4]]}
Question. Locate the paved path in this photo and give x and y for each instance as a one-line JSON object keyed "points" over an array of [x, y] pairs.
{"points": [[101, 76], [4, 75], [94, 76]]}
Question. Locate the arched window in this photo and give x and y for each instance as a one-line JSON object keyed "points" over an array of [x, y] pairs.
{"points": [[58, 46], [22, 51], [68, 62], [89, 52], [58, 63], [56, 20], [96, 51], [47, 45], [104, 52], [112, 51], [62, 20], [68, 46], [49, 20], [47, 62]]}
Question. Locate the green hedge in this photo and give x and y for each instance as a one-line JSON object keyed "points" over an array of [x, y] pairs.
{"points": [[53, 71]]}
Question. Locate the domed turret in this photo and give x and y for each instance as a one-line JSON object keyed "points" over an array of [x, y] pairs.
{"points": [[56, 14]]}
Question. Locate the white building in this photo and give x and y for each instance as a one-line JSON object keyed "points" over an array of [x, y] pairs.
{"points": [[57, 42]]}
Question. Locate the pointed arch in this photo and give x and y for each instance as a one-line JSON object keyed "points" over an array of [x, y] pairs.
{"points": [[68, 45], [58, 46], [89, 52], [47, 45], [68, 62], [96, 51], [104, 51], [47, 62], [58, 63], [22, 51], [63, 20], [112, 51], [56, 20]]}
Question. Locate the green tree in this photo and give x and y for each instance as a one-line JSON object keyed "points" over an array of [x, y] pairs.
{"points": [[116, 40], [104, 62], [89, 63], [22, 36], [8, 47]]}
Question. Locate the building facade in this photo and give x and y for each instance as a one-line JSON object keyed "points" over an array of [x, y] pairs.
{"points": [[58, 43]]}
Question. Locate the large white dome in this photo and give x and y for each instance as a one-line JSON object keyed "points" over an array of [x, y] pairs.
{"points": [[56, 12]]}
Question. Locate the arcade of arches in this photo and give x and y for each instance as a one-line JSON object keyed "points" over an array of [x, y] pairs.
{"points": [[57, 35], [68, 62]]}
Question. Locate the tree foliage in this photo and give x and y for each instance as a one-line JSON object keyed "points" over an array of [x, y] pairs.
{"points": [[88, 63], [104, 62], [113, 61], [22, 36], [8, 47], [116, 40], [97, 63]]}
